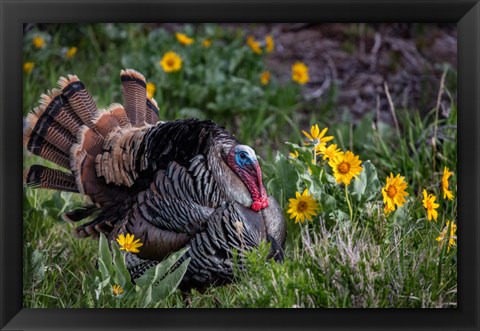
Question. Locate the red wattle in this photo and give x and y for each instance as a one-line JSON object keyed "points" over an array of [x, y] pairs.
{"points": [[256, 206], [259, 204]]}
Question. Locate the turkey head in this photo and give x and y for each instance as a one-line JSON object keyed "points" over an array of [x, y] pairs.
{"points": [[243, 162]]}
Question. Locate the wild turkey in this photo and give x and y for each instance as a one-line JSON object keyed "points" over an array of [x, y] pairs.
{"points": [[171, 184]]}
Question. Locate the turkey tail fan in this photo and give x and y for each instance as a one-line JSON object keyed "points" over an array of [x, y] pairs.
{"points": [[42, 177], [134, 96]]}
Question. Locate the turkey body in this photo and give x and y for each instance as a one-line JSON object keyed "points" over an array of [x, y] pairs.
{"points": [[184, 183]]}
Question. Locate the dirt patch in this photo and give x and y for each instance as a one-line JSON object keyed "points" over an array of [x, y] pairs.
{"points": [[361, 60]]}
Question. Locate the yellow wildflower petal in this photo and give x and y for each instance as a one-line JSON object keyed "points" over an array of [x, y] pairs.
{"points": [[300, 73], [303, 207], [269, 44], [171, 62], [38, 42], [254, 45], [183, 39], [28, 67], [265, 77]]}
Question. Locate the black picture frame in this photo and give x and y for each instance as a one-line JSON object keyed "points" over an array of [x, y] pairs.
{"points": [[466, 13]]}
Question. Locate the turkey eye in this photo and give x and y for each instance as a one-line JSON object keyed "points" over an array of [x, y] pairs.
{"points": [[242, 156]]}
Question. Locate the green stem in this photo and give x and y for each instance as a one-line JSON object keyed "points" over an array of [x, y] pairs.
{"points": [[348, 202]]}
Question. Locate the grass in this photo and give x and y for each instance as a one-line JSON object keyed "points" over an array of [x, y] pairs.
{"points": [[367, 260]]}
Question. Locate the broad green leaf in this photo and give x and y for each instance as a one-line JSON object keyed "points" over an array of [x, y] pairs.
{"points": [[157, 272], [283, 183], [103, 269], [121, 271], [104, 253], [145, 296], [169, 284], [367, 185], [327, 202]]}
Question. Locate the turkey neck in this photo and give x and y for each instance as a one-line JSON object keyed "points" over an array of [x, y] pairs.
{"points": [[228, 181]]}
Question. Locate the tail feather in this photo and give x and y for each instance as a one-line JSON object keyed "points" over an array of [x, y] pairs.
{"points": [[134, 95], [90, 141], [100, 224], [43, 177], [39, 146], [54, 133], [151, 116], [79, 98], [62, 112], [119, 113], [79, 214], [106, 123]]}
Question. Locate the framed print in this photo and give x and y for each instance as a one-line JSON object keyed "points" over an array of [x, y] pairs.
{"points": [[159, 157]]}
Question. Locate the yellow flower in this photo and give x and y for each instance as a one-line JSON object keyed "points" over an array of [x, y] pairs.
{"points": [[294, 154], [329, 152], [28, 67], [127, 244], [394, 192], [183, 38], [171, 62], [151, 88], [117, 290], [430, 205], [387, 210], [446, 193], [303, 207], [206, 43], [300, 73], [38, 42], [345, 166], [317, 138], [265, 77], [71, 52], [451, 239], [269, 44], [254, 45]]}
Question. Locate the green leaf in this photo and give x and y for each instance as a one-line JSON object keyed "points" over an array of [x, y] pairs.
{"points": [[339, 216], [101, 285], [145, 296], [169, 284], [327, 202], [401, 215], [121, 271], [103, 269], [104, 253], [157, 272], [367, 185], [283, 182]]}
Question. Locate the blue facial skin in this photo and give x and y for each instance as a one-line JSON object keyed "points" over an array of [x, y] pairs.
{"points": [[242, 158]]}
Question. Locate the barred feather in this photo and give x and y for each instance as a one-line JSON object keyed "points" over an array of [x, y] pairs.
{"points": [[134, 96], [42, 177], [78, 97]]}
